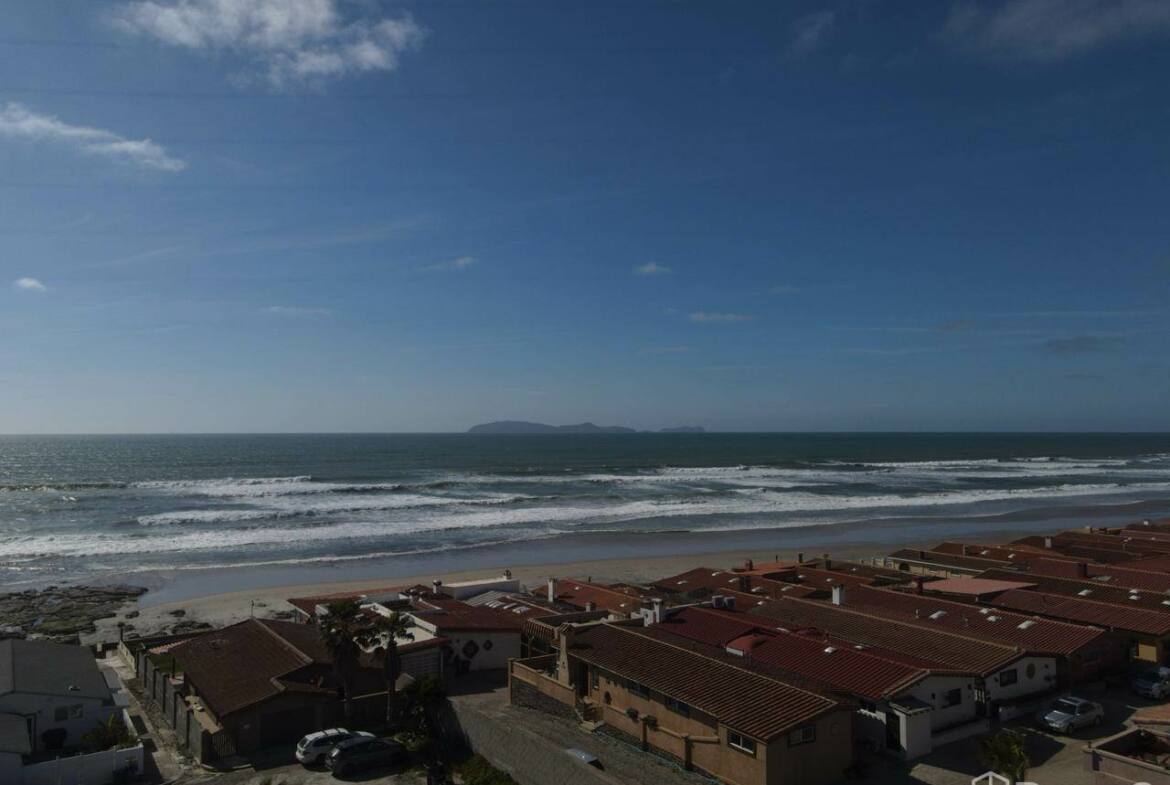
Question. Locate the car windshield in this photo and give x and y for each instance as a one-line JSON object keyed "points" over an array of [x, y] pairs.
{"points": [[1068, 707]]}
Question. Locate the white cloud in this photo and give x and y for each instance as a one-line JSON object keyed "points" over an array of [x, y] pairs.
{"points": [[718, 316], [288, 41], [18, 122], [458, 263], [651, 268], [296, 310], [808, 32], [1050, 30], [30, 285]]}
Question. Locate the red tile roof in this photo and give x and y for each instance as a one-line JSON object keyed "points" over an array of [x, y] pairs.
{"points": [[956, 653], [622, 599], [1036, 635], [309, 604], [1112, 574], [723, 582], [1094, 590], [1107, 615], [707, 626], [947, 559], [448, 615], [757, 705], [242, 665], [859, 672]]}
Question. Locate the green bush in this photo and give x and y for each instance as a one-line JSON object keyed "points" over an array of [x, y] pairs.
{"points": [[477, 771]]}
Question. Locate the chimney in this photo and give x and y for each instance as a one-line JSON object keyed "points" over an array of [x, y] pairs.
{"points": [[922, 555], [749, 565], [656, 604], [437, 586], [800, 558], [717, 601], [838, 594], [565, 635], [828, 562], [507, 575], [1082, 570], [552, 589], [1048, 542], [918, 581], [745, 583], [729, 603], [590, 607]]}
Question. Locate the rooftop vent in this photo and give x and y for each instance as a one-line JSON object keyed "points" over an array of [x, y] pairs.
{"points": [[993, 618], [1084, 592], [1024, 625], [938, 615], [830, 649], [985, 611]]}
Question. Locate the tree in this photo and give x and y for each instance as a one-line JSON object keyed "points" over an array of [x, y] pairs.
{"points": [[107, 735], [1006, 753], [384, 634], [343, 627]]}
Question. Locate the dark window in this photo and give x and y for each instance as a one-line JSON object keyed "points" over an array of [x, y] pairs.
{"points": [[741, 743], [641, 690], [1007, 678], [805, 734], [952, 697], [594, 677], [678, 707]]}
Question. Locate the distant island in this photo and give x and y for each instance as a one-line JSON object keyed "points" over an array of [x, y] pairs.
{"points": [[519, 426]]}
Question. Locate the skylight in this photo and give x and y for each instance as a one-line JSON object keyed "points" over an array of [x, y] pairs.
{"points": [[938, 615], [1026, 624]]}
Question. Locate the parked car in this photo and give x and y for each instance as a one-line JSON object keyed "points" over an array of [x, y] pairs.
{"points": [[1068, 714], [312, 749], [1152, 683], [358, 754]]}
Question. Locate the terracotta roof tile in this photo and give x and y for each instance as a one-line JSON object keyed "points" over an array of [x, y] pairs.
{"points": [[956, 653], [760, 706], [1108, 615]]}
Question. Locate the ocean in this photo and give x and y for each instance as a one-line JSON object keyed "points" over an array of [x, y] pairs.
{"points": [[76, 508]]}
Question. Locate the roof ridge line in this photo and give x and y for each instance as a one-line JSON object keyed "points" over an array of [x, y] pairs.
{"points": [[749, 671], [284, 642], [948, 633]]}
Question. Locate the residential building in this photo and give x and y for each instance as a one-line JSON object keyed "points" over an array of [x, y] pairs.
{"points": [[56, 692], [705, 711]]}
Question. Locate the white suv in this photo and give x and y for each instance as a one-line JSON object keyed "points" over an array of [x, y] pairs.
{"points": [[312, 749]]}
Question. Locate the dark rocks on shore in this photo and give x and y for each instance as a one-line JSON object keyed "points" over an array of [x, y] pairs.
{"points": [[62, 613]]}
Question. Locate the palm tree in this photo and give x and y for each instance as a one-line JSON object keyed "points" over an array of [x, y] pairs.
{"points": [[342, 628], [1006, 753], [384, 634]]}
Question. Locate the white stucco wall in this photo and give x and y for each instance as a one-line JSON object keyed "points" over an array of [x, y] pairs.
{"points": [[1042, 679], [93, 713], [504, 646], [933, 690]]}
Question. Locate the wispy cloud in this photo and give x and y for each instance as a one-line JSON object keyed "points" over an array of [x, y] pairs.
{"points": [[1052, 30], [808, 32], [458, 263], [18, 122], [296, 310], [651, 268], [30, 285], [707, 317], [1083, 344], [288, 42]]}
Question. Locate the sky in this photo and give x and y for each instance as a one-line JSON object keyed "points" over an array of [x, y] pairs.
{"points": [[356, 215]]}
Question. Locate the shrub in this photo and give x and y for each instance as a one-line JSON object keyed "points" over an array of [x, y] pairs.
{"points": [[477, 771]]}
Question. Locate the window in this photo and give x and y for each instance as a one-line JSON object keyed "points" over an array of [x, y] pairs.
{"points": [[952, 698], [805, 734], [1008, 678], [1030, 670], [641, 690], [594, 678], [678, 707], [741, 743]]}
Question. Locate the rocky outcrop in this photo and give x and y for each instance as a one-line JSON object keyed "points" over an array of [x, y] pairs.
{"points": [[61, 613]]}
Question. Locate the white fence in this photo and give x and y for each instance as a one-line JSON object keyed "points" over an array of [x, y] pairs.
{"points": [[96, 768]]}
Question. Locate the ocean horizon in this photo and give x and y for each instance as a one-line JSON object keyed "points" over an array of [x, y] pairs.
{"points": [[136, 507]]}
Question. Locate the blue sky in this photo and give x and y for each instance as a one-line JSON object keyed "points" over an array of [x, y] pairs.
{"points": [[317, 215]]}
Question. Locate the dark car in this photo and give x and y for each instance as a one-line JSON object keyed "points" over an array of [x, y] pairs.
{"points": [[358, 754]]}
